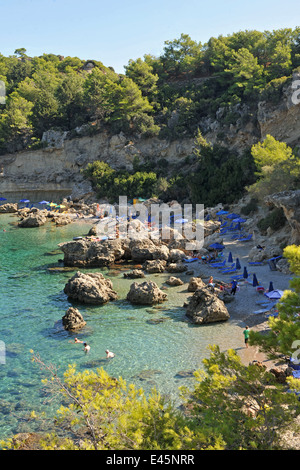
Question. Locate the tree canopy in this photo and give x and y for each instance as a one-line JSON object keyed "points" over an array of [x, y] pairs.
{"points": [[165, 95]]}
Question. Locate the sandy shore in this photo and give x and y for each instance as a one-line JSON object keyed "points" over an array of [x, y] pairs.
{"points": [[247, 299]]}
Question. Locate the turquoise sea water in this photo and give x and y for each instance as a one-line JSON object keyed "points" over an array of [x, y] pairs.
{"points": [[151, 345]]}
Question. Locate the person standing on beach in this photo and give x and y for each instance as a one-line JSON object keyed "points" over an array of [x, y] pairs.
{"points": [[233, 287], [246, 333]]}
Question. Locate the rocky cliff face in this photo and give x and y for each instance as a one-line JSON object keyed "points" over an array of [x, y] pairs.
{"points": [[55, 169], [289, 201]]}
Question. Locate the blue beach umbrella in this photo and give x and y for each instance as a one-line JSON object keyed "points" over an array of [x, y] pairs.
{"points": [[275, 294], [232, 216], [240, 220], [44, 202], [237, 264], [3, 199], [24, 200], [230, 257], [222, 212], [255, 281], [245, 273], [217, 246]]}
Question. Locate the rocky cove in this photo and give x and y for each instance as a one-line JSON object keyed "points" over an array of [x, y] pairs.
{"points": [[138, 296]]}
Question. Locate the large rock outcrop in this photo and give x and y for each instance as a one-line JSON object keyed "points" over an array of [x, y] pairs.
{"points": [[154, 266], [73, 320], [289, 201], [206, 307], [89, 253], [90, 288], [145, 249], [146, 293], [33, 220], [8, 208], [195, 284]]}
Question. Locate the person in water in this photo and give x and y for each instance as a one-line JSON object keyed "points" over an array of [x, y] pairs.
{"points": [[76, 340], [86, 347], [109, 354]]}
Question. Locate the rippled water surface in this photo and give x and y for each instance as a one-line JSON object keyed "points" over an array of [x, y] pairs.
{"points": [[153, 346]]}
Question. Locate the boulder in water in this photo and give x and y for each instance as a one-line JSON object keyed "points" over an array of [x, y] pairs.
{"points": [[90, 288], [146, 293], [206, 307], [73, 320]]}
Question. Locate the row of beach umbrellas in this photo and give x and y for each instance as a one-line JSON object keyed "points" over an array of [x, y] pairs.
{"points": [[48, 203], [271, 294]]}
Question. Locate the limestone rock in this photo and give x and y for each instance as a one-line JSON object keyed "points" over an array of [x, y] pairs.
{"points": [[289, 201], [134, 274], [8, 208], [176, 255], [62, 219], [268, 252], [283, 266], [176, 268], [174, 281], [206, 307], [90, 288], [73, 320], [33, 220], [92, 253], [154, 266], [195, 283], [146, 249], [146, 293]]}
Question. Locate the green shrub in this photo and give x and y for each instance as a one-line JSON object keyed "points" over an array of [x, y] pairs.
{"points": [[252, 206], [275, 220]]}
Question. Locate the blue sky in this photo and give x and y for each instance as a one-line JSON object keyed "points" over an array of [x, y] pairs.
{"points": [[115, 31]]}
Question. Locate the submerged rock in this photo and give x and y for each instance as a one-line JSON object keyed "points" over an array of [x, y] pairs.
{"points": [[146, 293], [90, 288]]}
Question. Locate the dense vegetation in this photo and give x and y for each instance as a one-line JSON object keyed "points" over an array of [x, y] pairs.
{"points": [[211, 175], [169, 96], [166, 95]]}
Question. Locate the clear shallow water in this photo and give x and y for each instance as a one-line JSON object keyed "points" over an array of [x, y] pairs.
{"points": [[148, 353]]}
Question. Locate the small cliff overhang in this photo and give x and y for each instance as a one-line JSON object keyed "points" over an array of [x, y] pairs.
{"points": [[289, 201]]}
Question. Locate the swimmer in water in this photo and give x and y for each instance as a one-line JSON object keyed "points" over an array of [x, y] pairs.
{"points": [[76, 340], [109, 354]]}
